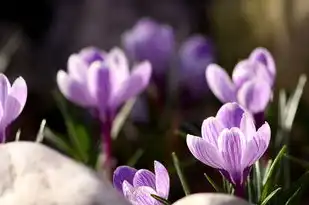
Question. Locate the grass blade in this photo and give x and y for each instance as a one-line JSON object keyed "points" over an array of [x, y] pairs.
{"points": [[213, 184], [121, 117], [40, 135], [270, 175], [180, 174], [133, 160], [270, 196], [160, 199]]}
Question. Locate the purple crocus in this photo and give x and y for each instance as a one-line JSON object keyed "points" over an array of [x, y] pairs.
{"points": [[149, 40], [230, 143], [13, 99], [251, 83], [138, 185], [102, 81], [195, 54]]}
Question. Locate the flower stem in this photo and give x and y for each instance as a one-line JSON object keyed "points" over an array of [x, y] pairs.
{"points": [[107, 142], [239, 191], [3, 136]]}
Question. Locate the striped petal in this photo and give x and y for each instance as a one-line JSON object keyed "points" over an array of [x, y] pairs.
{"points": [[231, 145], [204, 151], [121, 174], [255, 95], [162, 180], [211, 129], [144, 177], [220, 83]]}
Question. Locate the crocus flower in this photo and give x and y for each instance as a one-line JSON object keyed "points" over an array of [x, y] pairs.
{"points": [[102, 81], [138, 185], [149, 40], [230, 143], [251, 83], [195, 54], [13, 99]]}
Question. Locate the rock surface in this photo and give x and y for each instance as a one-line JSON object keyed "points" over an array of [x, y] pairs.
{"points": [[210, 199], [33, 174]]}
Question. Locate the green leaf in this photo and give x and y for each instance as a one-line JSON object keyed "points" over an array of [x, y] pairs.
{"points": [[160, 199], [180, 174], [181, 134], [213, 184], [293, 197], [83, 138], [133, 160], [70, 127], [59, 142], [292, 194], [266, 170], [257, 178], [270, 175], [121, 117], [270, 196]]}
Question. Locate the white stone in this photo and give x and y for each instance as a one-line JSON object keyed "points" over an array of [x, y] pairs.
{"points": [[210, 199], [33, 174]]}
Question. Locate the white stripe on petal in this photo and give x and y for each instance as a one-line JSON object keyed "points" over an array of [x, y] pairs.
{"points": [[231, 145], [162, 180], [211, 129], [204, 151]]}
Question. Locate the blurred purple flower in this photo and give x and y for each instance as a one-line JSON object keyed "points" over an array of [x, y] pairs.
{"points": [[102, 81], [230, 143], [138, 185], [251, 84], [149, 40], [13, 99], [195, 54]]}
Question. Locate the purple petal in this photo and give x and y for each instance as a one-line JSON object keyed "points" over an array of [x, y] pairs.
{"points": [[211, 129], [123, 173], [99, 85], [15, 101], [91, 54], [247, 126], [148, 40], [247, 70], [231, 144], [137, 82], [255, 95], [117, 62], [220, 83], [127, 189], [77, 68], [144, 177], [162, 180], [142, 196], [264, 56], [230, 115], [257, 146], [204, 151], [4, 89], [73, 90]]}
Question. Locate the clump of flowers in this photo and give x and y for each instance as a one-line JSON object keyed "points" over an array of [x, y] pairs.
{"points": [[251, 83], [138, 185], [102, 81], [13, 99], [231, 143]]}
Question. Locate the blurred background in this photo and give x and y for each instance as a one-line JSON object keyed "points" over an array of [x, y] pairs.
{"points": [[37, 37]]}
